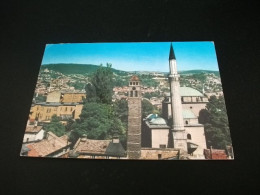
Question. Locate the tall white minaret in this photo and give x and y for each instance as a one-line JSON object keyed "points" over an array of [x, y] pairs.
{"points": [[179, 134]]}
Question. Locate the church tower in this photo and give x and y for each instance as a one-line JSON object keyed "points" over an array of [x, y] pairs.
{"points": [[179, 135], [134, 119]]}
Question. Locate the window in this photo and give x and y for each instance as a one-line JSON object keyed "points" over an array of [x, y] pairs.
{"points": [[136, 83], [191, 107], [136, 93], [130, 83], [186, 122], [131, 94], [71, 109], [66, 109], [159, 156], [188, 136], [162, 146]]}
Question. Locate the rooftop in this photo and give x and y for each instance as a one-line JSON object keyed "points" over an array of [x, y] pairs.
{"points": [[134, 78], [188, 92], [186, 113], [98, 147], [32, 129], [56, 104], [47, 146]]}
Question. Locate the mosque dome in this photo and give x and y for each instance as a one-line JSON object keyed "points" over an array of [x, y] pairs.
{"points": [[188, 92], [158, 121]]}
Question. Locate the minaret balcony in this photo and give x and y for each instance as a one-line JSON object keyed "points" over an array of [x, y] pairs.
{"points": [[173, 75]]}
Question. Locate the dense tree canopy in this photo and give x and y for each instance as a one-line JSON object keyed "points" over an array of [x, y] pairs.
{"points": [[55, 126], [148, 108], [215, 120], [97, 121], [100, 118], [100, 88]]}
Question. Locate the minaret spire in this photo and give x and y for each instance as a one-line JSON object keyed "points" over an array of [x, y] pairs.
{"points": [[178, 131], [172, 55]]}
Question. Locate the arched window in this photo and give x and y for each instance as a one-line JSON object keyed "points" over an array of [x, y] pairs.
{"points": [[136, 83], [136, 93], [186, 122], [130, 83], [131, 94], [188, 136]]}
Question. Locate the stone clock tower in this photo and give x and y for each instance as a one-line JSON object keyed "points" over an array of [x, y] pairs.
{"points": [[134, 118], [179, 134]]}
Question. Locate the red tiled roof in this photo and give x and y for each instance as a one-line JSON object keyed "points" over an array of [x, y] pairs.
{"points": [[215, 154], [47, 146]]}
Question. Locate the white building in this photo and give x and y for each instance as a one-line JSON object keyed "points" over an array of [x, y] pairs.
{"points": [[33, 133]]}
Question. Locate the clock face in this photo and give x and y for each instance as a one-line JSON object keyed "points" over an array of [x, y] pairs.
{"points": [[134, 88]]}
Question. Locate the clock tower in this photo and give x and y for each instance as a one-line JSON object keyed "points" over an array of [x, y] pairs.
{"points": [[134, 118]]}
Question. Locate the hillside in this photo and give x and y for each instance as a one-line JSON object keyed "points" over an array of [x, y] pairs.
{"points": [[77, 68], [199, 71]]}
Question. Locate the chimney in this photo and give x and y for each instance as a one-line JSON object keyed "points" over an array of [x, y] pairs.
{"points": [[115, 139], [84, 138]]}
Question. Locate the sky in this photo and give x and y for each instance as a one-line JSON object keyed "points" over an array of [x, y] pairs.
{"points": [[142, 56]]}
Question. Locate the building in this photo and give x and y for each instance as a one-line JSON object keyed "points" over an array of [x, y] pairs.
{"points": [[178, 135], [45, 110], [99, 149], [51, 146], [64, 105], [33, 133]]}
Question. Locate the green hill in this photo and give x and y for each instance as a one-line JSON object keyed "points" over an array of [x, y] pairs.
{"points": [[77, 68], [199, 71]]}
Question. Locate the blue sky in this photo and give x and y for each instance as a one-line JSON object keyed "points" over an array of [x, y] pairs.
{"points": [[148, 56]]}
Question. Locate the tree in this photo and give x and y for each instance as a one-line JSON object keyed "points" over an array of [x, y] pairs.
{"points": [[121, 110], [100, 88], [97, 121], [55, 126], [148, 108], [216, 124], [40, 98]]}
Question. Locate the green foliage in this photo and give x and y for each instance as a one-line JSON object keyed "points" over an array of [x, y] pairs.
{"points": [[55, 126], [152, 94], [148, 81], [78, 85], [69, 124], [77, 68], [121, 110], [119, 82], [216, 123], [199, 72], [97, 121], [100, 89], [148, 108], [40, 98]]}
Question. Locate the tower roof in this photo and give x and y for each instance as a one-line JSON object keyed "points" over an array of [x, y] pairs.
{"points": [[172, 55], [134, 78]]}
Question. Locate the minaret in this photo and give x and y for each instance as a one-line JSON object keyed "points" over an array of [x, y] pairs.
{"points": [[179, 135], [134, 119]]}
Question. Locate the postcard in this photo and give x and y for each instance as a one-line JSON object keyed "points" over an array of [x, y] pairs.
{"points": [[130, 101]]}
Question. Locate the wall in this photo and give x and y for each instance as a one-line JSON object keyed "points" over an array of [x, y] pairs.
{"points": [[33, 137], [197, 137], [159, 136], [53, 96]]}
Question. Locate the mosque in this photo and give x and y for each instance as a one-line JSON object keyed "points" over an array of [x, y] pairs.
{"points": [[178, 130]]}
